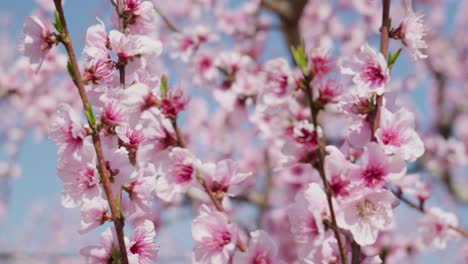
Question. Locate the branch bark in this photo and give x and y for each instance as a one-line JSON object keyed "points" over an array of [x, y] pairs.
{"points": [[320, 167], [104, 173], [289, 13]]}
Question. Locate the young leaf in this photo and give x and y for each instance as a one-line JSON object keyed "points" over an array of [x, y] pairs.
{"points": [[70, 71], [300, 57], [164, 86], [57, 23], [392, 58], [90, 116], [115, 255]]}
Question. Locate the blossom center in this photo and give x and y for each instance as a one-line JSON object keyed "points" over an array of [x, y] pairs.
{"points": [[261, 258], [373, 74], [305, 136], [373, 175], [281, 83], [365, 209], [390, 137], [183, 172], [87, 179], [223, 238]]}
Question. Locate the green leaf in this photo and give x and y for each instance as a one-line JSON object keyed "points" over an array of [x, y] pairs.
{"points": [[90, 116], [300, 58], [58, 23], [115, 255], [70, 71], [164, 86], [392, 58]]}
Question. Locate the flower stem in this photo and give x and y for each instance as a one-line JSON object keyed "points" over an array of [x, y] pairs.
{"points": [[320, 167], [216, 202], [106, 184], [384, 37], [399, 194]]}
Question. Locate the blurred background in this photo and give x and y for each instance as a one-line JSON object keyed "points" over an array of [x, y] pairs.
{"points": [[34, 228]]}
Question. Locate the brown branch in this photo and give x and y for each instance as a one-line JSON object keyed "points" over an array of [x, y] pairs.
{"points": [[356, 253], [443, 123], [104, 173], [264, 205], [289, 12], [314, 111], [216, 202], [122, 28], [384, 37], [420, 207], [171, 26]]}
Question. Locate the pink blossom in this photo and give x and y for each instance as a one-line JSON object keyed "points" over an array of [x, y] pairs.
{"points": [[80, 177], [215, 237], [142, 191], [320, 63], [306, 215], [366, 213], [377, 168], [142, 244], [179, 175], [187, 42], [247, 84], [139, 97], [262, 250], [127, 48], [203, 67], [238, 22], [117, 162], [224, 177], [159, 135], [369, 69], [436, 227], [327, 92], [47, 5], [93, 214], [397, 136], [412, 185], [99, 71], [97, 41], [233, 61], [338, 171], [173, 103], [140, 16], [279, 86], [412, 32], [66, 130], [113, 113], [131, 138], [324, 252], [304, 142], [102, 254], [38, 40]]}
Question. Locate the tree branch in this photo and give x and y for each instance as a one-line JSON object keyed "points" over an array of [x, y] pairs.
{"points": [[320, 167], [104, 173]]}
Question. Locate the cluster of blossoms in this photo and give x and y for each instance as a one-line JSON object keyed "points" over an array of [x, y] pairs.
{"points": [[322, 196]]}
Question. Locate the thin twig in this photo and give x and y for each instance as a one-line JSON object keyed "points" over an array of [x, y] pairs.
{"points": [[384, 37], [320, 167], [420, 207], [122, 28], [105, 176], [265, 202], [216, 202], [168, 23], [355, 253]]}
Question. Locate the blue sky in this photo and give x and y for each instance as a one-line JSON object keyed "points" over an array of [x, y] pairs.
{"points": [[39, 184]]}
